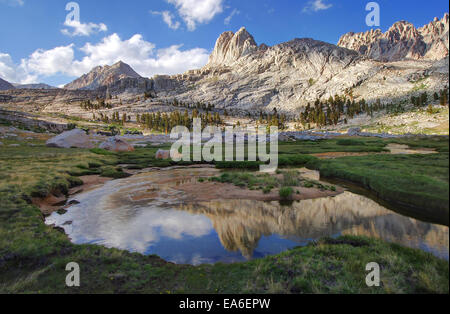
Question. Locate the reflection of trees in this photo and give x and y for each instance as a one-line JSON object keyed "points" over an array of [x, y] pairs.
{"points": [[240, 224]]}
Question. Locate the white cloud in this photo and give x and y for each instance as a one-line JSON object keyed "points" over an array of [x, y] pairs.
{"points": [[168, 18], [315, 6], [141, 55], [229, 17], [82, 29], [14, 73], [13, 2], [195, 12], [112, 49], [49, 62]]}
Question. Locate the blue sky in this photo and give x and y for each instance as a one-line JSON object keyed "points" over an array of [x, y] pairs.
{"points": [[170, 36]]}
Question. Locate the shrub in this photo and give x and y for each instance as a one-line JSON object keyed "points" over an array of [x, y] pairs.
{"points": [[286, 192], [290, 178], [350, 142], [295, 160], [100, 151], [267, 190], [238, 164]]}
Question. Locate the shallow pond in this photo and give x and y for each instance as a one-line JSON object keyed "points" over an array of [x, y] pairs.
{"points": [[147, 213]]}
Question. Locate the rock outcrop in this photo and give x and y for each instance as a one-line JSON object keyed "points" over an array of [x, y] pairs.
{"points": [[103, 76], [4, 85], [402, 41], [116, 145], [162, 154], [244, 76], [75, 138], [230, 47], [241, 75], [353, 131]]}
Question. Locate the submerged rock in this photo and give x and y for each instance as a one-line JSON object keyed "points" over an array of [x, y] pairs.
{"points": [[75, 138], [116, 145]]}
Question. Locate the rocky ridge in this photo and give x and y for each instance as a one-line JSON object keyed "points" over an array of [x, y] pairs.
{"points": [[4, 85], [242, 75], [402, 41], [33, 86], [103, 76]]}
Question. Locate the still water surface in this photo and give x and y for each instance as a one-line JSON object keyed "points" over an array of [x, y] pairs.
{"points": [[141, 214]]}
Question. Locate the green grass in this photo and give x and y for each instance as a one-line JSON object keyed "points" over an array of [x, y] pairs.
{"points": [[286, 192], [439, 143], [238, 165], [418, 181], [285, 180], [350, 142], [369, 145], [253, 181], [33, 256]]}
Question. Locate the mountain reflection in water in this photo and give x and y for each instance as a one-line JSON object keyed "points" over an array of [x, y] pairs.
{"points": [[138, 214]]}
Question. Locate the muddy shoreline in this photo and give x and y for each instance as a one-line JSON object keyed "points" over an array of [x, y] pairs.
{"points": [[57, 200], [193, 190]]}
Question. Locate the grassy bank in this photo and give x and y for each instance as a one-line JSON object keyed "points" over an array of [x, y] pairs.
{"points": [[420, 182], [33, 256], [33, 259], [285, 180], [353, 145]]}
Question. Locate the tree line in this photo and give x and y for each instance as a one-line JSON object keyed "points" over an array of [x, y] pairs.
{"points": [[164, 122]]}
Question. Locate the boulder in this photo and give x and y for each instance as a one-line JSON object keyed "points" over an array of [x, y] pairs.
{"points": [[75, 138], [283, 138], [162, 154], [116, 145], [165, 154], [353, 131]]}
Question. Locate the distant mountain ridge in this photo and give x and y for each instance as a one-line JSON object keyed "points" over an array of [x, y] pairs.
{"points": [[103, 76], [402, 41], [4, 85], [240, 74], [243, 75], [33, 86]]}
